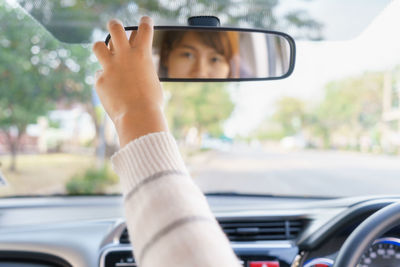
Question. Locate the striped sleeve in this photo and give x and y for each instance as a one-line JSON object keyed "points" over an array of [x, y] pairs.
{"points": [[168, 218]]}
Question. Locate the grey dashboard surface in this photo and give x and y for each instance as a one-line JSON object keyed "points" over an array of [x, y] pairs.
{"points": [[74, 228]]}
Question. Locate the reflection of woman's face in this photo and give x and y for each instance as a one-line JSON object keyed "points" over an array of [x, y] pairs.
{"points": [[191, 58]]}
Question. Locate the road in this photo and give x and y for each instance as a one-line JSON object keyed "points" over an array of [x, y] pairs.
{"points": [[315, 173]]}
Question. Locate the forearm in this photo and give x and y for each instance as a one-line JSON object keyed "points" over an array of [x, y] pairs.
{"points": [[168, 217], [138, 122]]}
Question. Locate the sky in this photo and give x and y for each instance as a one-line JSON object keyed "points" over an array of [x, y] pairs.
{"points": [[376, 48], [342, 19]]}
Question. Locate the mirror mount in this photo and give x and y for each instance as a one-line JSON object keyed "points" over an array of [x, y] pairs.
{"points": [[208, 21]]}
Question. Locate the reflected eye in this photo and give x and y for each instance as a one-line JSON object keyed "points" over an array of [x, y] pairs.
{"points": [[186, 55], [217, 59]]}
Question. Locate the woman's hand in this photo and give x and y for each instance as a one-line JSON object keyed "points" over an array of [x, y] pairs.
{"points": [[128, 86]]}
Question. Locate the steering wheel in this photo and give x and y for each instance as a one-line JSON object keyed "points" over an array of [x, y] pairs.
{"points": [[363, 236]]}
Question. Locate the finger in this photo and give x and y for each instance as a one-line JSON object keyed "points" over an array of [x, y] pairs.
{"points": [[117, 32], [132, 37], [111, 47], [144, 35], [102, 53]]}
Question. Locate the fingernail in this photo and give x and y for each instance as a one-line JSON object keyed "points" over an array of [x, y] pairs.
{"points": [[115, 21], [146, 19]]}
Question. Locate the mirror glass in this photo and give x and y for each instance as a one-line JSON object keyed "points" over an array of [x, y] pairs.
{"points": [[221, 54]]}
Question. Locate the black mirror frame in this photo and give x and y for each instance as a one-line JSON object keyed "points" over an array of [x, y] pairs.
{"points": [[205, 28]]}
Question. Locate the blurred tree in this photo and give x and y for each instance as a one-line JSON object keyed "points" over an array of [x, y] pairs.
{"points": [[202, 105], [353, 104], [36, 71], [287, 120], [290, 114], [351, 107]]}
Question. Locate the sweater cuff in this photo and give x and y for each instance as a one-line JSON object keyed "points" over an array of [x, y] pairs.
{"points": [[145, 156]]}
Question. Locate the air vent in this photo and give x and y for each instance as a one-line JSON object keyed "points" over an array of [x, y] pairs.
{"points": [[261, 230], [124, 238]]}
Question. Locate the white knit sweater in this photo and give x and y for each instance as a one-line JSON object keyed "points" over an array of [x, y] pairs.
{"points": [[169, 220]]}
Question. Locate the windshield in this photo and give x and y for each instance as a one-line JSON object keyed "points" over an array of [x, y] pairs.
{"points": [[331, 129]]}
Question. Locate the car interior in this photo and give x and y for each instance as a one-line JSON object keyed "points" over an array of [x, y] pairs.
{"points": [[296, 146]]}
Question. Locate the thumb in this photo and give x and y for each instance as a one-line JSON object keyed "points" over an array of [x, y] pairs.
{"points": [[144, 35]]}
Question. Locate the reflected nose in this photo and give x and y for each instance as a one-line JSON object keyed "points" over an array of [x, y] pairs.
{"points": [[200, 69]]}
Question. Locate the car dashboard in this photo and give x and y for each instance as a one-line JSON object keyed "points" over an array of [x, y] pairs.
{"points": [[264, 231]]}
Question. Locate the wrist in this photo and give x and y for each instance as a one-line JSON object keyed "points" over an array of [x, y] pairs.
{"points": [[139, 122]]}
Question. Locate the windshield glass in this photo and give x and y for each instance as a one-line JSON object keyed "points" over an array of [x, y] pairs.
{"points": [[331, 129]]}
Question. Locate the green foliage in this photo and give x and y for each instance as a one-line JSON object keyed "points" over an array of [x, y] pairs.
{"points": [[202, 105], [290, 114], [36, 72], [288, 119], [351, 107], [21, 81], [93, 181], [54, 123]]}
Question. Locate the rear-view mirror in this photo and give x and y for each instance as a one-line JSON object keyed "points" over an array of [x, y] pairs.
{"points": [[220, 54]]}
